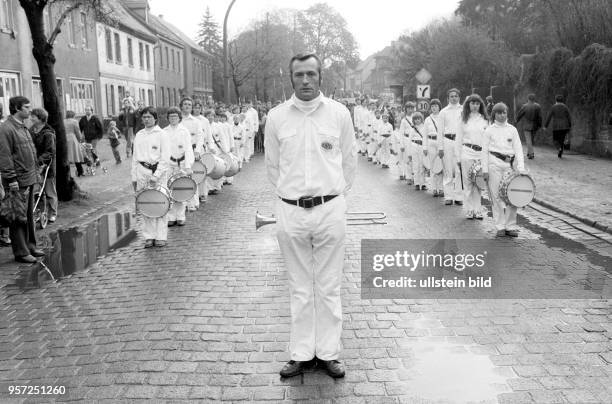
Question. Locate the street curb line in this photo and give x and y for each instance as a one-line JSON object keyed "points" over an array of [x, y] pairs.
{"points": [[584, 220]]}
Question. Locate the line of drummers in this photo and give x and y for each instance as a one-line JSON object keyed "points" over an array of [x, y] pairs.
{"points": [[174, 169], [458, 152]]}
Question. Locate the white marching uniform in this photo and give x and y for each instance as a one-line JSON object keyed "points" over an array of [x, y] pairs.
{"points": [[504, 139], [238, 136], [151, 147], [416, 148], [254, 120], [386, 143], [404, 163], [311, 151], [470, 133], [196, 129], [376, 137], [181, 158], [215, 130], [432, 135], [450, 116], [226, 139]]}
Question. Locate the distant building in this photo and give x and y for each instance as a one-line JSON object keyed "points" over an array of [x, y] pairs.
{"points": [[376, 75], [75, 50], [126, 60]]}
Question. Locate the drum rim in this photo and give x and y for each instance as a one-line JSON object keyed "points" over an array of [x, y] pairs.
{"points": [[505, 183], [161, 190]]}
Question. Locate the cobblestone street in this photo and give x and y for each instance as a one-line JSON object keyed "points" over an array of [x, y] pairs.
{"points": [[207, 317]]}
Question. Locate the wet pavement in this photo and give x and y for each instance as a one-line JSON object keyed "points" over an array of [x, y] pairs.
{"points": [[207, 318]]}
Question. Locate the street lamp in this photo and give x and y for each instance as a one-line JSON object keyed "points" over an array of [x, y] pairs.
{"points": [[225, 56]]}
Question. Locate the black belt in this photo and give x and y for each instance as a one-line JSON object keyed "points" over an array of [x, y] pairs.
{"points": [[432, 137], [148, 166], [237, 138], [473, 146], [193, 146], [450, 136], [417, 141], [178, 160], [505, 157], [309, 202]]}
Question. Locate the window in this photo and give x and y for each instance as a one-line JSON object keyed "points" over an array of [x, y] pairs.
{"points": [[162, 97], [178, 57], [141, 95], [173, 61], [37, 97], [117, 48], [9, 87], [130, 55], [121, 94], [168, 97], [81, 95], [6, 16], [141, 55], [148, 57], [150, 98], [84, 29], [167, 59], [70, 28], [176, 100], [113, 104], [109, 45]]}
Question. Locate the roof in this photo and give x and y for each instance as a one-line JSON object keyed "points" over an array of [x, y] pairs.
{"points": [[157, 25], [127, 21], [188, 41]]}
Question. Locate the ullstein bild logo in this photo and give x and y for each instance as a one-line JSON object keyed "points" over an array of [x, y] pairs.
{"points": [[475, 268]]}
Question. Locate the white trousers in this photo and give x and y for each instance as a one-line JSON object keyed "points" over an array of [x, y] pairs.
{"points": [[436, 179], [152, 228], [312, 243], [504, 215], [385, 151], [451, 179], [471, 193], [418, 170], [403, 165], [250, 146]]}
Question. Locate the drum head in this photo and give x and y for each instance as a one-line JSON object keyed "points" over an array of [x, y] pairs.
{"points": [[182, 188], [199, 172], [153, 202], [520, 191]]}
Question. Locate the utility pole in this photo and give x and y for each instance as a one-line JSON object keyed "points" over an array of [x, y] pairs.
{"points": [[225, 55]]}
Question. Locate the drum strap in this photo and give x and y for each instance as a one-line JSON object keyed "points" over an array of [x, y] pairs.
{"points": [[473, 146], [218, 145], [148, 166]]}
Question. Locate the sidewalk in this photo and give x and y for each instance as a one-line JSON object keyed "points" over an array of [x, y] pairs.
{"points": [[577, 184]]}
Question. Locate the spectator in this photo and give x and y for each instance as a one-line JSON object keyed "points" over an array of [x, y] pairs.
{"points": [[43, 136], [127, 123], [531, 114], [138, 125], [489, 107], [113, 134], [18, 168], [73, 138], [561, 123], [4, 231], [92, 130]]}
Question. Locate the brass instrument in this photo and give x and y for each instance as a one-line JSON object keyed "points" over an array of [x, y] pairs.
{"points": [[352, 219]]}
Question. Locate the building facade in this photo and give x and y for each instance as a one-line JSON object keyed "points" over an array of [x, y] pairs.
{"points": [[126, 61], [75, 50]]}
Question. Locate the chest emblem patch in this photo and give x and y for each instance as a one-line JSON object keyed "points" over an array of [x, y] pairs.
{"points": [[325, 145]]}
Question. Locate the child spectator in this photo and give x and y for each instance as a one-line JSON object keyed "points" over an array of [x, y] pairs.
{"points": [[113, 134]]}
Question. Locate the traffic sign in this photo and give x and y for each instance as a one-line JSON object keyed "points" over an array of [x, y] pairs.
{"points": [[422, 105], [423, 91], [423, 76]]}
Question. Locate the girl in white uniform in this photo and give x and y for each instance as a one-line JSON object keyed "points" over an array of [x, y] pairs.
{"points": [[416, 139], [468, 149], [433, 130]]}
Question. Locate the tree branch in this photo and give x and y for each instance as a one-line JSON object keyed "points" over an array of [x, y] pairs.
{"points": [[60, 21]]}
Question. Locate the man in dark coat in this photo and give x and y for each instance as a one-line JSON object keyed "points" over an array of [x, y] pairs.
{"points": [[127, 122], [92, 130], [18, 167], [531, 114], [561, 123]]}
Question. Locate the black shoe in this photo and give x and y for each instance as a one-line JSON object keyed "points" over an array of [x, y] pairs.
{"points": [[149, 243], [180, 222], [293, 368], [172, 223], [333, 368], [459, 203], [417, 187], [423, 188], [37, 252], [512, 233], [448, 202], [560, 153], [28, 259]]}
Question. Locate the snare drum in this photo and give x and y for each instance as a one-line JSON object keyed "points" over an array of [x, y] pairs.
{"points": [[182, 187], [475, 175], [215, 165], [232, 164], [153, 202], [437, 165], [199, 172], [517, 189]]}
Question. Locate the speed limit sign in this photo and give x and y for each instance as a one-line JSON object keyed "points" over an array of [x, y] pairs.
{"points": [[422, 105]]}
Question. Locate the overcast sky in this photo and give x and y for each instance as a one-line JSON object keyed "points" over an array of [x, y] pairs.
{"points": [[373, 23]]}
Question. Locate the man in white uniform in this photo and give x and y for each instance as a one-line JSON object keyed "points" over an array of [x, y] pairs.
{"points": [[311, 159], [450, 116], [194, 126], [254, 120]]}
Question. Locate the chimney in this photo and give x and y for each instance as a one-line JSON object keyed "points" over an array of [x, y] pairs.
{"points": [[140, 7]]}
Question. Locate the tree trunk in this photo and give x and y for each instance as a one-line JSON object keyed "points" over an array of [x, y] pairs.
{"points": [[45, 59]]}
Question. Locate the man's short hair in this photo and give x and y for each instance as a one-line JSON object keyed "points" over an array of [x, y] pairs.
{"points": [[489, 98], [41, 114], [559, 98], [302, 57], [453, 90], [150, 110], [15, 103], [531, 97], [185, 99], [70, 114], [173, 110]]}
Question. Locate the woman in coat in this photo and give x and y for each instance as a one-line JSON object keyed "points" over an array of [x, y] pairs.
{"points": [[73, 136]]}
